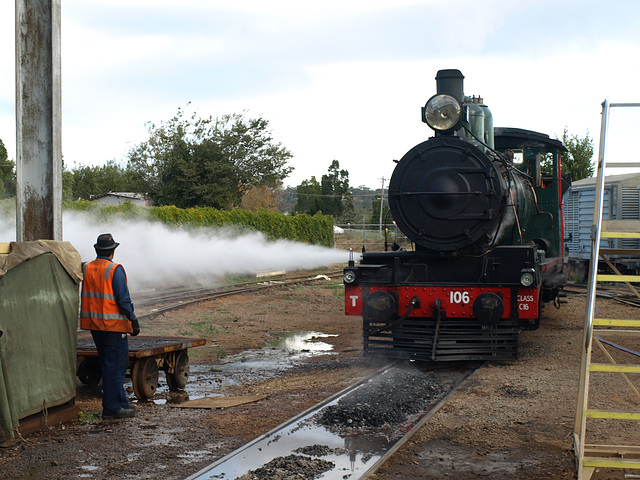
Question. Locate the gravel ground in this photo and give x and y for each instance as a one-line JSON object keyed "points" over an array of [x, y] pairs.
{"points": [[509, 421]]}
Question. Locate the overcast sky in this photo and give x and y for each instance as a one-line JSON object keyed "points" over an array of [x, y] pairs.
{"points": [[340, 80]]}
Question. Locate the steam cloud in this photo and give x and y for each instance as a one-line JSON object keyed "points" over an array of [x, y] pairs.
{"points": [[155, 255]]}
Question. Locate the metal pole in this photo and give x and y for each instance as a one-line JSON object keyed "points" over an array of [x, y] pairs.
{"points": [[38, 121], [381, 204], [583, 386]]}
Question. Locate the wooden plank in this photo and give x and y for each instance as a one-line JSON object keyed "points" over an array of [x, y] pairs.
{"points": [[220, 402], [634, 252], [612, 415], [143, 346], [622, 164], [607, 367], [55, 415], [620, 235], [615, 322], [616, 333], [590, 462], [618, 278], [594, 450]]}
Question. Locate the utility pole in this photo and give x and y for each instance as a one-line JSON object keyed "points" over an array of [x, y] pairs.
{"points": [[38, 121], [381, 205]]}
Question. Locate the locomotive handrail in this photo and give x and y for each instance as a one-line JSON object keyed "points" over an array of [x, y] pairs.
{"points": [[475, 192]]}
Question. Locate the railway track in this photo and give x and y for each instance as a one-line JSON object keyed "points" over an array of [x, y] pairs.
{"points": [[619, 294], [154, 303], [350, 434]]}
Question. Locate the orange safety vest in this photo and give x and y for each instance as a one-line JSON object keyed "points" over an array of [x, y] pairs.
{"points": [[98, 308]]}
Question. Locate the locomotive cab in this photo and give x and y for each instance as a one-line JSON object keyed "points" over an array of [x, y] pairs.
{"points": [[486, 230]]}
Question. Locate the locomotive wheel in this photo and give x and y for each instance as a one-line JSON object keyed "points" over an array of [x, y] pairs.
{"points": [[145, 377], [89, 371], [178, 379]]}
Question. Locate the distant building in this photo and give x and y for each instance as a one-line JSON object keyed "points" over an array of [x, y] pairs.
{"points": [[621, 201], [118, 198]]}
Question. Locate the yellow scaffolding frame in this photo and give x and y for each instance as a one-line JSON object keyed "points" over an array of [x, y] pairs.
{"points": [[592, 456]]}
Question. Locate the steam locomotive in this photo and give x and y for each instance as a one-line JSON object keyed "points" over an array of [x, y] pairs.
{"points": [[482, 207]]}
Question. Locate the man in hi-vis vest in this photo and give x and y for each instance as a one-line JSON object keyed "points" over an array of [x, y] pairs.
{"points": [[107, 311]]}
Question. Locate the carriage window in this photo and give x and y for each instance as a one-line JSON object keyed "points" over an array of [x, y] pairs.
{"points": [[515, 157], [518, 157]]}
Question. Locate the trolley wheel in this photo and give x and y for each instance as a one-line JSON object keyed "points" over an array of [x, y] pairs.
{"points": [[145, 377], [178, 379], [89, 371]]}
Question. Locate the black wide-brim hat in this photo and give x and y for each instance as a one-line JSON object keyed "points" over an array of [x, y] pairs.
{"points": [[105, 242]]}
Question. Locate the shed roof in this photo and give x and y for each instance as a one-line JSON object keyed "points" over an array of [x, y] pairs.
{"points": [[129, 195], [587, 182]]}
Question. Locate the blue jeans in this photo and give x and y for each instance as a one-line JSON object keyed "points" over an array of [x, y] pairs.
{"points": [[113, 354]]}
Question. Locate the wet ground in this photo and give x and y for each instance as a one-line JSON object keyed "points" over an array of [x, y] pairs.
{"points": [[281, 354], [513, 421]]}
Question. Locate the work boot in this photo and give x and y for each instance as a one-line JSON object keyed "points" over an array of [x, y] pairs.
{"points": [[123, 413]]}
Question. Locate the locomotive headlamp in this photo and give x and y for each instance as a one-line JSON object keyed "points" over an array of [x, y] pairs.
{"points": [[527, 278], [442, 112], [349, 276]]}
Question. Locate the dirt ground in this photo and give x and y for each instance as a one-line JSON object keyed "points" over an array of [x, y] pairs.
{"points": [[509, 421]]}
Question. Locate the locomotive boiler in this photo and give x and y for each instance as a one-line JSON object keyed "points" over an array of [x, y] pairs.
{"points": [[482, 207]]}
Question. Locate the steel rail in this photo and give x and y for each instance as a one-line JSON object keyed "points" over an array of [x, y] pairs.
{"points": [[609, 292], [398, 445], [207, 472], [296, 433], [155, 298], [227, 290]]}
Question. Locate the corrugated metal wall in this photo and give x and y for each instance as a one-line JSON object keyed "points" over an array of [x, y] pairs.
{"points": [[578, 216]]}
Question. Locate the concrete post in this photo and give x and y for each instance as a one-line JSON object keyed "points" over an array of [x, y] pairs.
{"points": [[38, 120]]}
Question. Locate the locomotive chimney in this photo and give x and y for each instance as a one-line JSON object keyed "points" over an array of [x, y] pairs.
{"points": [[450, 82]]}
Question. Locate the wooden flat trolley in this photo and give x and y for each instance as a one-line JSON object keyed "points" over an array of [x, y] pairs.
{"points": [[147, 355]]}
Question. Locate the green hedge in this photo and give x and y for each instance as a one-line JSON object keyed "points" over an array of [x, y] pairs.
{"points": [[317, 229]]}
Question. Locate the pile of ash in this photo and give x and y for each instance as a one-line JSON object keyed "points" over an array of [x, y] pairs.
{"points": [[291, 467], [387, 400]]}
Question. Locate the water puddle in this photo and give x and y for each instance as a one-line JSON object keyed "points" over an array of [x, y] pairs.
{"points": [[303, 344], [279, 355], [191, 456], [87, 471]]}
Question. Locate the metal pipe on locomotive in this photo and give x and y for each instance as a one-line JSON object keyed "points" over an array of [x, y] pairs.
{"points": [[486, 225]]}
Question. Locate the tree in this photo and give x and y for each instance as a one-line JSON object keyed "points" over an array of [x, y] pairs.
{"points": [[7, 173], [331, 196], [260, 198], [336, 197], [309, 197], [375, 215], [578, 161], [207, 162], [87, 181]]}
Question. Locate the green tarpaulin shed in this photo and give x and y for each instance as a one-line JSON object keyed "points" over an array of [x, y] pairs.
{"points": [[39, 299]]}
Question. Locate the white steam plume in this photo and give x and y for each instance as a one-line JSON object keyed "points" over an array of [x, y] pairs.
{"points": [[155, 255]]}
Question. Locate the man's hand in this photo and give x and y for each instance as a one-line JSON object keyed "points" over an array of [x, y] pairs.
{"points": [[136, 327]]}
